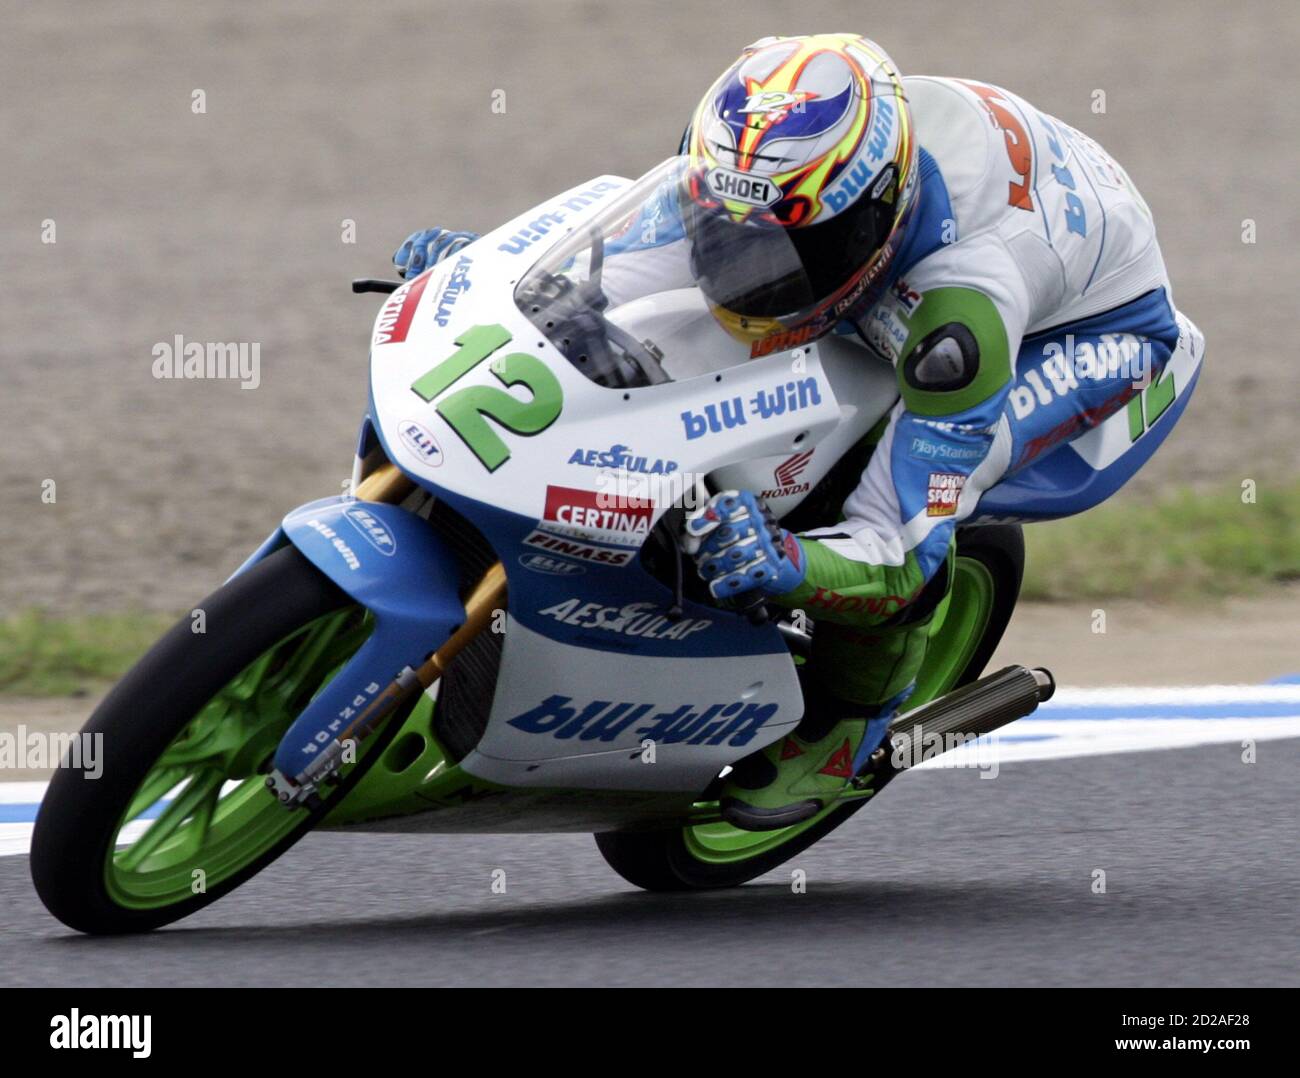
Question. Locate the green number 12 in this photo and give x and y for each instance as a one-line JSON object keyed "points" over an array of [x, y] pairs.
{"points": [[468, 410]]}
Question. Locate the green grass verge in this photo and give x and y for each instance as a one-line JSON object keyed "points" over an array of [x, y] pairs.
{"points": [[55, 656], [1186, 546]]}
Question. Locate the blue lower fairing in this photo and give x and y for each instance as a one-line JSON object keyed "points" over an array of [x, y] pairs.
{"points": [[390, 562]]}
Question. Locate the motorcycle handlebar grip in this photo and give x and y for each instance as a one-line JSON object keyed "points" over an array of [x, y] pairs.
{"points": [[373, 284], [755, 609]]}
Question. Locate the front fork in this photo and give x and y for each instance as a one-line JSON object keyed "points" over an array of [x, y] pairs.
{"points": [[359, 697]]}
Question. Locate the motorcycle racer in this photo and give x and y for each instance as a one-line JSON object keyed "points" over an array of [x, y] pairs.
{"points": [[1005, 265]]}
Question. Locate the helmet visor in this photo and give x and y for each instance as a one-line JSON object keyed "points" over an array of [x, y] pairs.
{"points": [[751, 267]]}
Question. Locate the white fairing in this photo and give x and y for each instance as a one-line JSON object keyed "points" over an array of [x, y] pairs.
{"points": [[836, 396], [851, 395], [590, 714]]}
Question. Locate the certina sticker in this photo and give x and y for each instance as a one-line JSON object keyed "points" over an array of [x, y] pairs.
{"points": [[398, 310], [589, 515], [422, 442]]}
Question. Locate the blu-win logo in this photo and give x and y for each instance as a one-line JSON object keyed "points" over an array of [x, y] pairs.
{"points": [[604, 720], [736, 412]]}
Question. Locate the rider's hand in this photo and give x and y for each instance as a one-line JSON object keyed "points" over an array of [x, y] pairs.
{"points": [[739, 547], [422, 249]]}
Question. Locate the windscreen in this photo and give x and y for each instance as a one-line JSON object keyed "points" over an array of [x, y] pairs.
{"points": [[662, 284]]}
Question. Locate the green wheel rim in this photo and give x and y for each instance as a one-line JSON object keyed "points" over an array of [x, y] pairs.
{"points": [[962, 618], [220, 817]]}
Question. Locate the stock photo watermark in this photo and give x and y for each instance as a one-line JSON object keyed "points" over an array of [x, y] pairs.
{"points": [[22, 749], [219, 361]]}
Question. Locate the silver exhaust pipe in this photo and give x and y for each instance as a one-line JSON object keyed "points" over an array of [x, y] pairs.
{"points": [[959, 717]]}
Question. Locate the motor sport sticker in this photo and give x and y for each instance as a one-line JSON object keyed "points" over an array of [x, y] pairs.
{"points": [[944, 490], [588, 514], [394, 320], [605, 720], [633, 619]]}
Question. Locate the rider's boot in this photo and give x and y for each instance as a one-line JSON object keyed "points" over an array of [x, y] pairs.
{"points": [[854, 684]]}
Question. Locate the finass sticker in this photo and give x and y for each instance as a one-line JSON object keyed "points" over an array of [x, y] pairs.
{"points": [[565, 547]]}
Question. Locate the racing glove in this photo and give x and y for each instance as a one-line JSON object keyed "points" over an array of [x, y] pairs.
{"points": [[422, 249], [739, 547]]}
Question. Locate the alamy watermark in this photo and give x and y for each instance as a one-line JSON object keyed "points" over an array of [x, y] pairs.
{"points": [[113, 1031], [631, 490], [1072, 362], [210, 360], [910, 747], [24, 750]]}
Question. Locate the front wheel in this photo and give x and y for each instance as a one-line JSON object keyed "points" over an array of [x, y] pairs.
{"points": [[174, 812], [986, 583]]}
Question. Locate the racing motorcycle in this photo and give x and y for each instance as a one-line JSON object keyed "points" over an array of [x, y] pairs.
{"points": [[493, 630]]}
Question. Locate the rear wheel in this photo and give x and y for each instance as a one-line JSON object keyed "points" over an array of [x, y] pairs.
{"points": [[986, 583], [179, 814]]}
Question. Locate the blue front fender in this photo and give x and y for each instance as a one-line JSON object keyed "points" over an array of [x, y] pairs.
{"points": [[391, 563]]}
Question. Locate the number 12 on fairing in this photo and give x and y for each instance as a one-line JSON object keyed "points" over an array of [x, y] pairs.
{"points": [[468, 410]]}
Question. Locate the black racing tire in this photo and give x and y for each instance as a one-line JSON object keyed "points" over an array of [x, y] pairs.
{"points": [[662, 860], [78, 820]]}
